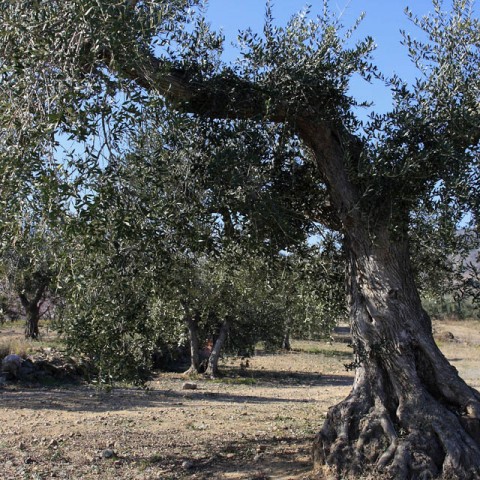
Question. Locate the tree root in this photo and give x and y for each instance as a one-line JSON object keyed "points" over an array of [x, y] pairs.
{"points": [[191, 372], [414, 437]]}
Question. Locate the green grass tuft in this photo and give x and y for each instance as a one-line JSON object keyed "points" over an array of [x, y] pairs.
{"points": [[235, 380]]}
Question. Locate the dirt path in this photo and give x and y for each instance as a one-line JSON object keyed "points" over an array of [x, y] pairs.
{"points": [[256, 423]]}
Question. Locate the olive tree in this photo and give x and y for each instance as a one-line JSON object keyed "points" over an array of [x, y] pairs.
{"points": [[28, 251], [30, 275], [409, 414]]}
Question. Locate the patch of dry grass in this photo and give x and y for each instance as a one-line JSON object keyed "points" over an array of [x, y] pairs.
{"points": [[14, 345], [12, 339]]}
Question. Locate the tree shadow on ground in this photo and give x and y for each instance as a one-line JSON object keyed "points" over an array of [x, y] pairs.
{"points": [[283, 379], [88, 399]]}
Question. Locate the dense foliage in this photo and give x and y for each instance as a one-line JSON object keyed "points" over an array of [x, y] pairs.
{"points": [[181, 225]]}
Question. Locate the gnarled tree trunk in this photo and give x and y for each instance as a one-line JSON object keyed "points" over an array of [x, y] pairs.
{"points": [[32, 311], [31, 327], [212, 368], [409, 413]]}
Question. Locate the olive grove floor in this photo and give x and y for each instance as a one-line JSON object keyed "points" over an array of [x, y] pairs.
{"points": [[257, 422]]}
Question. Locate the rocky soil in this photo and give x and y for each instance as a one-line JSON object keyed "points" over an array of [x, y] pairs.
{"points": [[257, 422]]}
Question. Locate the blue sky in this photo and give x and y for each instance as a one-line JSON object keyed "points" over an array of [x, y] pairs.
{"points": [[384, 20]]}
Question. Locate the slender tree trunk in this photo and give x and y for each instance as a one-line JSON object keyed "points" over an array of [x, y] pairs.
{"points": [[192, 324], [212, 368], [409, 414], [286, 340]]}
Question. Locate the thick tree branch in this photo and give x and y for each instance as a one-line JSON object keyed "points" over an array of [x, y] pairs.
{"points": [[330, 152], [24, 300], [223, 96]]}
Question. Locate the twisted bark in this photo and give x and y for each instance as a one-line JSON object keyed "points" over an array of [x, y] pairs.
{"points": [[409, 415], [32, 311]]}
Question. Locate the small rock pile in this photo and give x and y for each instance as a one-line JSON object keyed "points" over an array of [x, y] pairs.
{"points": [[47, 365]]}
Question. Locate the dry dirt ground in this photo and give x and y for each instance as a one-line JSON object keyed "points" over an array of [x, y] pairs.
{"points": [[257, 422]]}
